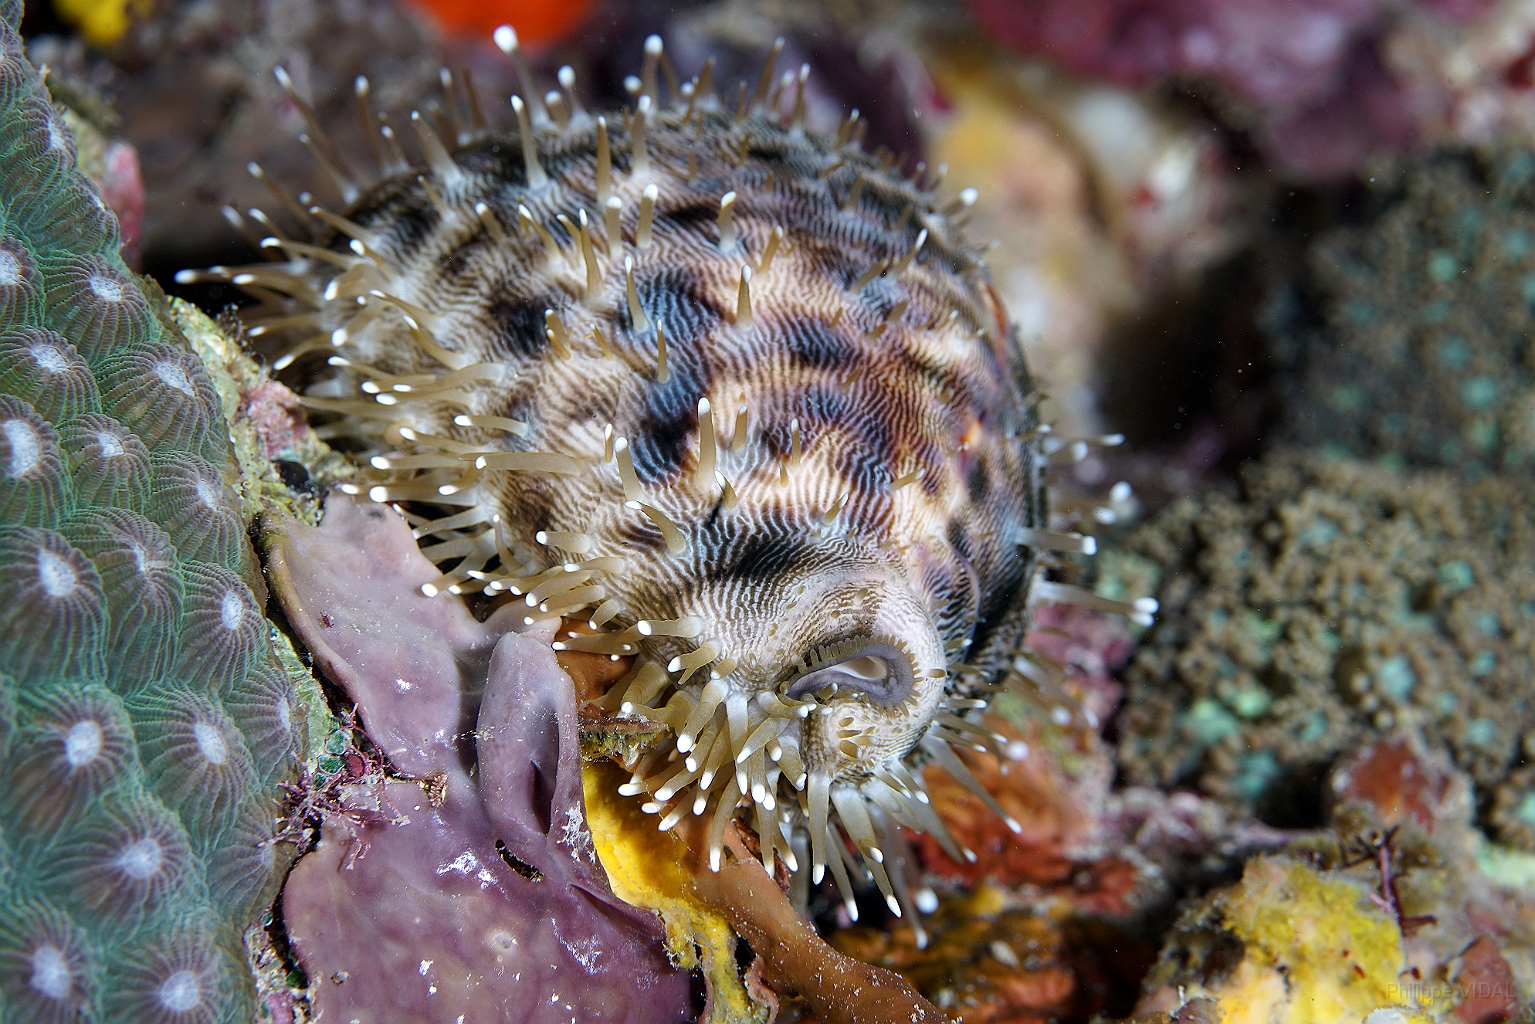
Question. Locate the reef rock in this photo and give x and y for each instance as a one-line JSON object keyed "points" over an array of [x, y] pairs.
{"points": [[1408, 339], [1326, 604]]}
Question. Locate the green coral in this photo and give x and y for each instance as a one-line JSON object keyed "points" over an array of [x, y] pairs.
{"points": [[1425, 310], [1327, 602], [145, 718]]}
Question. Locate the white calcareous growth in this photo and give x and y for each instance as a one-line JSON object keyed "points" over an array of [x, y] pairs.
{"points": [[82, 743], [56, 575], [210, 742], [174, 375], [51, 975], [25, 445], [181, 992], [231, 610], [141, 859]]}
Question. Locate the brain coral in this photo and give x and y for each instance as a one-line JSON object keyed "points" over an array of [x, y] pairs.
{"points": [[1410, 335], [733, 395], [138, 689], [1328, 602]]}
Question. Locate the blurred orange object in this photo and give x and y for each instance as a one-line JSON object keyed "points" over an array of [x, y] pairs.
{"points": [[536, 21]]}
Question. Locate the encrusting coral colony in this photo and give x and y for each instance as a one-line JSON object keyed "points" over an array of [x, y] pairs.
{"points": [[734, 396], [145, 721], [1418, 348], [1329, 603]]}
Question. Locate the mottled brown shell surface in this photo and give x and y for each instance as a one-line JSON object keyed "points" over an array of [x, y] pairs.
{"points": [[733, 391]]}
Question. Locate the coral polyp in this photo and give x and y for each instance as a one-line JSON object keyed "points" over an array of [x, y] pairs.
{"points": [[44, 368], [52, 612], [108, 464], [728, 395], [73, 745], [32, 487], [137, 564], [46, 971], [124, 858]]}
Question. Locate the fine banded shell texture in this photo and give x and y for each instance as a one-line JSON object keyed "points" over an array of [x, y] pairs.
{"points": [[735, 396]]}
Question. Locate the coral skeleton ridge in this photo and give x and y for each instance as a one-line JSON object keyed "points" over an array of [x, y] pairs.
{"points": [[145, 724], [735, 396]]}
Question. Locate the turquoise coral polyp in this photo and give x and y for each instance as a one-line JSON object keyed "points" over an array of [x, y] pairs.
{"points": [[144, 720]]}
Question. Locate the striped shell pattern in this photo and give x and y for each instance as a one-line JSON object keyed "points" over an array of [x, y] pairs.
{"points": [[733, 395]]}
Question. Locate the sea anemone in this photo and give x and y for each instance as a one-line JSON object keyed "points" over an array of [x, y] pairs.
{"points": [[734, 394]]}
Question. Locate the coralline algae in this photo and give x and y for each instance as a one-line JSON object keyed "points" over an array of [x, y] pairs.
{"points": [[146, 721], [1386, 915]]}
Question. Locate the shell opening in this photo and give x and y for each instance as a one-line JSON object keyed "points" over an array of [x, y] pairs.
{"points": [[879, 671]]}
